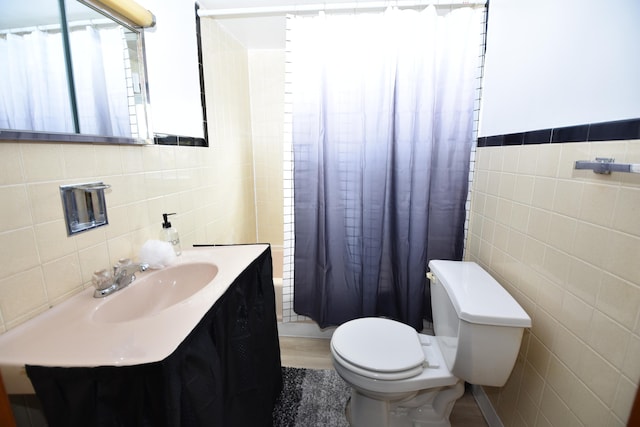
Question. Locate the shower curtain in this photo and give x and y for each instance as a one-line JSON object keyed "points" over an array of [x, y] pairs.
{"points": [[382, 133]]}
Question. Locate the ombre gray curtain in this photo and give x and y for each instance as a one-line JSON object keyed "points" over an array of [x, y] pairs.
{"points": [[382, 134]]}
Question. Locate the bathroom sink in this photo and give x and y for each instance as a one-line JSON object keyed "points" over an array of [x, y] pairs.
{"points": [[155, 291], [142, 323]]}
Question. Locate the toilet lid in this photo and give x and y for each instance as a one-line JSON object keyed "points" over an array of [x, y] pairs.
{"points": [[379, 345]]}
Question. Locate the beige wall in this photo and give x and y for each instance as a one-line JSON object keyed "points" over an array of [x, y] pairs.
{"points": [[211, 189], [266, 77], [566, 245]]}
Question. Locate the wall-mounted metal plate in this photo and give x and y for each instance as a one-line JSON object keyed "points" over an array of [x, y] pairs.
{"points": [[84, 206]]}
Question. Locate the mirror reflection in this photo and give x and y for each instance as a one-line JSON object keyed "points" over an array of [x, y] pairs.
{"points": [[95, 87], [33, 81]]}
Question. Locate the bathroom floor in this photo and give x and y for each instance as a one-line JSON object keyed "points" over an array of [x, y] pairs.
{"points": [[314, 353]]}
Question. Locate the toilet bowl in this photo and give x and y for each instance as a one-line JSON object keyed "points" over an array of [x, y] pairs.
{"points": [[401, 391], [400, 378]]}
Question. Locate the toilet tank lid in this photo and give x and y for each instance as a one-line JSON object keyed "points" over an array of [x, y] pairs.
{"points": [[478, 297]]}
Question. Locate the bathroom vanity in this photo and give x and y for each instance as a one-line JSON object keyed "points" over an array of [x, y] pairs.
{"points": [[209, 357]]}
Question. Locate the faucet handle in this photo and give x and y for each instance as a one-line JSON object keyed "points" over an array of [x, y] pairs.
{"points": [[123, 262], [102, 279]]}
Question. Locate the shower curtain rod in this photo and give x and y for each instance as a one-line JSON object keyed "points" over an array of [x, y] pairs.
{"points": [[318, 7]]}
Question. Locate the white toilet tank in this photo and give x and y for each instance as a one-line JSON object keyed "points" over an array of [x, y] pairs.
{"points": [[478, 324]]}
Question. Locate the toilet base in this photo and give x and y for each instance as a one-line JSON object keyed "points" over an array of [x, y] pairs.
{"points": [[425, 408]]}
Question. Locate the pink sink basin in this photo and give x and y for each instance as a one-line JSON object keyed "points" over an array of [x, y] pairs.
{"points": [[155, 291]]}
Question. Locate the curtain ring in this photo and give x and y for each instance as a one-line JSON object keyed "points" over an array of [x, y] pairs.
{"points": [[323, 10]]}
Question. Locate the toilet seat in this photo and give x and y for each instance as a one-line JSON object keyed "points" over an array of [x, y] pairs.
{"points": [[378, 348]]}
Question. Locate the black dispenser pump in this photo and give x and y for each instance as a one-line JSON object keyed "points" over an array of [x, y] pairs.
{"points": [[166, 223], [170, 234]]}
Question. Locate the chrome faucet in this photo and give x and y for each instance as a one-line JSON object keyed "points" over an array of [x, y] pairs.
{"points": [[124, 273]]}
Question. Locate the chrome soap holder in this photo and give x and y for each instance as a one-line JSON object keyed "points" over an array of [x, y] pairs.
{"points": [[84, 206], [606, 165]]}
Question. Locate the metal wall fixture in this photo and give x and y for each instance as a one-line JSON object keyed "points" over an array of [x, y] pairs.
{"points": [[84, 206], [605, 165]]}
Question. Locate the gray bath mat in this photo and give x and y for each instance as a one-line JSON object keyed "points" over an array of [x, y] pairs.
{"points": [[311, 398]]}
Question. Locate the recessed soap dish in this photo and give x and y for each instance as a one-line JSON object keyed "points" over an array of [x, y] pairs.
{"points": [[84, 206]]}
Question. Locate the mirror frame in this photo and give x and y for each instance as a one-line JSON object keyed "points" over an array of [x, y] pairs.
{"points": [[160, 139]]}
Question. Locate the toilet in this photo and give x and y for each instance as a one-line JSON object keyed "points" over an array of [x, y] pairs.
{"points": [[401, 378]]}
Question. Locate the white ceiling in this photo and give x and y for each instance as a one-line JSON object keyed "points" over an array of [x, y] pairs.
{"points": [[235, 4], [263, 32], [257, 31], [254, 31]]}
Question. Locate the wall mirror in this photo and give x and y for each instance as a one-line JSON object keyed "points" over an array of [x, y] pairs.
{"points": [[69, 73]]}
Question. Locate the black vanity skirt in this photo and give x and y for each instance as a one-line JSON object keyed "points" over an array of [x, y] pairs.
{"points": [[225, 373]]}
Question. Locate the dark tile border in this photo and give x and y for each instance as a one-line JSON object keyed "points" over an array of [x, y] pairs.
{"points": [[182, 141], [605, 131], [571, 134]]}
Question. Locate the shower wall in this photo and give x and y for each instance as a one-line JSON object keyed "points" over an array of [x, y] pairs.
{"points": [[266, 82]]}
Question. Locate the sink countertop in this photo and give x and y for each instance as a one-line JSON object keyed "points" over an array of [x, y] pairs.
{"points": [[67, 336]]}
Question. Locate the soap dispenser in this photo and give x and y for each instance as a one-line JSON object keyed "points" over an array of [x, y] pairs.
{"points": [[170, 234]]}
